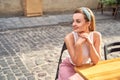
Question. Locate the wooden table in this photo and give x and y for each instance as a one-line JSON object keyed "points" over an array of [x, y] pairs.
{"points": [[104, 70]]}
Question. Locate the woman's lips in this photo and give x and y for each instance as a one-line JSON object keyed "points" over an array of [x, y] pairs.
{"points": [[75, 28]]}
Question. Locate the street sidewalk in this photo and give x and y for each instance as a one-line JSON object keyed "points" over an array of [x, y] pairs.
{"points": [[44, 20]]}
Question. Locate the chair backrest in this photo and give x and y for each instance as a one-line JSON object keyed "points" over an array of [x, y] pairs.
{"points": [[118, 1], [110, 48], [60, 59]]}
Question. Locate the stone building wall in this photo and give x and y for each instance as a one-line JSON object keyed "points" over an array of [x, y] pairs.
{"points": [[16, 7], [62, 5], [11, 7]]}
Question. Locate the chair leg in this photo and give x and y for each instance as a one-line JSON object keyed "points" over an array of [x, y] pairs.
{"points": [[105, 52], [56, 77], [100, 6], [60, 60], [115, 12]]}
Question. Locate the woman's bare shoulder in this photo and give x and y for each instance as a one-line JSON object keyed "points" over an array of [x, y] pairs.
{"points": [[69, 36], [97, 34]]}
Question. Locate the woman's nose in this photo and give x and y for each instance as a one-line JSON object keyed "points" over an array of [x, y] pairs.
{"points": [[73, 24]]}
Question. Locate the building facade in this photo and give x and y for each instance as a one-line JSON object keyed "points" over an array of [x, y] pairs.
{"points": [[18, 7]]}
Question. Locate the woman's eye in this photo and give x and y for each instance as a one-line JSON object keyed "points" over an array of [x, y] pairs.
{"points": [[78, 21]]}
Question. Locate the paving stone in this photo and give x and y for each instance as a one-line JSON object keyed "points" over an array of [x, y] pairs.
{"points": [[15, 72], [22, 78], [24, 70], [7, 71], [48, 78], [10, 61], [3, 63], [28, 74], [2, 77], [18, 74], [31, 78], [14, 67], [11, 77]]}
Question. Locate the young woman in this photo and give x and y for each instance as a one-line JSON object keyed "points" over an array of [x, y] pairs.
{"points": [[83, 44]]}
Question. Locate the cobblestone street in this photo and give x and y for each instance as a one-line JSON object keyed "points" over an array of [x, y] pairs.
{"points": [[34, 50], [33, 53]]}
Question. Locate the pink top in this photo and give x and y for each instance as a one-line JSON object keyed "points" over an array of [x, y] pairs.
{"points": [[86, 57]]}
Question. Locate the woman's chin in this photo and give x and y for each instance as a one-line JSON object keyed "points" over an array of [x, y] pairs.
{"points": [[79, 31], [75, 30]]}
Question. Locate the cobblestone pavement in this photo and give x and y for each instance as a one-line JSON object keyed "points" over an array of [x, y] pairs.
{"points": [[32, 53]]}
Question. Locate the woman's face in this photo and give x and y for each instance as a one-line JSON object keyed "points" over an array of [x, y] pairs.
{"points": [[79, 24]]}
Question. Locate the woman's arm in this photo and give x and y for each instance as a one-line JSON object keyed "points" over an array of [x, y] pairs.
{"points": [[95, 48], [74, 49]]}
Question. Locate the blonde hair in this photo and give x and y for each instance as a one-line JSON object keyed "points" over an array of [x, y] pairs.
{"points": [[92, 20]]}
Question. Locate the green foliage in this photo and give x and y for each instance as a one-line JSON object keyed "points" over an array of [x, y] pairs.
{"points": [[109, 2]]}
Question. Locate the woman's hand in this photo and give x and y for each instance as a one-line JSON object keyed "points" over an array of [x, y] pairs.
{"points": [[86, 36]]}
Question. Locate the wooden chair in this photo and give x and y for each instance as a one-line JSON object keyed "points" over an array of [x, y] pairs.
{"points": [[116, 8], [100, 6], [106, 51], [60, 59], [110, 48]]}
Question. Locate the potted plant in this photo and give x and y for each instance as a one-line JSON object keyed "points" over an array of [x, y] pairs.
{"points": [[113, 3], [109, 2]]}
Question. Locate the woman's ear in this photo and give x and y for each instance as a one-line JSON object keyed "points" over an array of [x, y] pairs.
{"points": [[89, 23]]}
